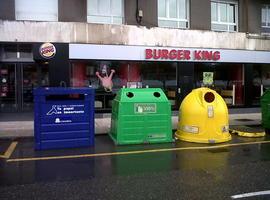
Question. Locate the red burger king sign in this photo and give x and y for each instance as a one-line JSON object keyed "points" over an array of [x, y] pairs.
{"points": [[47, 50]]}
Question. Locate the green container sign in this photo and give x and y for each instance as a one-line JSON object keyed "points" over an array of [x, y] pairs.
{"points": [[141, 116], [145, 108]]}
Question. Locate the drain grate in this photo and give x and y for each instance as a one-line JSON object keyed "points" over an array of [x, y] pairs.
{"points": [[221, 150], [250, 129], [244, 120]]}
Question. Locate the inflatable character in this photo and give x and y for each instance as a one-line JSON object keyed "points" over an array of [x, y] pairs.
{"points": [[106, 80]]}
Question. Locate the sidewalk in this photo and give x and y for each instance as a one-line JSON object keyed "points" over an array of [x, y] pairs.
{"points": [[22, 125]]}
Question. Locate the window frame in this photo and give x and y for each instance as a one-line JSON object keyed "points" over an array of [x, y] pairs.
{"points": [[111, 16], [178, 19], [219, 22]]}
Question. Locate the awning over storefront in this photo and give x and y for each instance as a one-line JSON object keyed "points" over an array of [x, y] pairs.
{"points": [[148, 53]]}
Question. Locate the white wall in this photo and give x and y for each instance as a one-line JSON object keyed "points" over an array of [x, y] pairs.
{"points": [[26, 31]]}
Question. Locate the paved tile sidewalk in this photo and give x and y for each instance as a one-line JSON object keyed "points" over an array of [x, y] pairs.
{"points": [[102, 125]]}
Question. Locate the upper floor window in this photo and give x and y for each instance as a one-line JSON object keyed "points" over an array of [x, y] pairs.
{"points": [[105, 11], [266, 16], [224, 16], [173, 13], [37, 10]]}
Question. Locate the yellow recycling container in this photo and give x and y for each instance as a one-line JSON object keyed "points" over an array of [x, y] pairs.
{"points": [[204, 118]]}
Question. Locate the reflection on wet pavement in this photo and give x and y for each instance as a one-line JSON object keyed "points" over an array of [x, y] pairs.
{"points": [[212, 167]]}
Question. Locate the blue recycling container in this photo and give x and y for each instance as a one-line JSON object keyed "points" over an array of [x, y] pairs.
{"points": [[64, 117]]}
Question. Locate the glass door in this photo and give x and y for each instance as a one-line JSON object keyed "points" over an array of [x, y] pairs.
{"points": [[185, 81], [8, 89], [29, 79]]}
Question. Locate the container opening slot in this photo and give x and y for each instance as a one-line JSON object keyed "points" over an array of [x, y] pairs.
{"points": [[130, 95], [209, 97], [64, 97], [157, 94]]}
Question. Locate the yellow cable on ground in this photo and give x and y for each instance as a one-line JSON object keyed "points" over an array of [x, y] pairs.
{"points": [[247, 134]]}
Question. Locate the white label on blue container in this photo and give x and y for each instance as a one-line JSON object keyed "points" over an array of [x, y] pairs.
{"points": [[58, 120], [66, 109]]}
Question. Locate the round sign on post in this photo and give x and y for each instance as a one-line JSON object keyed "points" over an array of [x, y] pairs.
{"points": [[47, 50]]}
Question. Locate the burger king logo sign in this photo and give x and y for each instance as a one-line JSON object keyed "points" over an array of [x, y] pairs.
{"points": [[47, 50]]}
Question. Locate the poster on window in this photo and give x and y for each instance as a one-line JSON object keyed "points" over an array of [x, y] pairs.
{"points": [[208, 78]]}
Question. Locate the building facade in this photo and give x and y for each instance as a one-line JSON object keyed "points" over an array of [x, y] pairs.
{"points": [[176, 45]]}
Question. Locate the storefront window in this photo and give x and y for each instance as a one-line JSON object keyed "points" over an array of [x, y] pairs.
{"points": [[266, 76], [260, 81], [227, 80], [173, 13], [16, 52], [161, 75], [224, 16], [8, 98], [105, 11], [17, 82], [123, 74], [9, 52]]}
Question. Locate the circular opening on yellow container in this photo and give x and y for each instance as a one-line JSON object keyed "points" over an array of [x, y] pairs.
{"points": [[209, 97], [130, 95], [156, 94]]}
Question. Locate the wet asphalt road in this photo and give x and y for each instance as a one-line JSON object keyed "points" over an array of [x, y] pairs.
{"points": [[188, 174]]}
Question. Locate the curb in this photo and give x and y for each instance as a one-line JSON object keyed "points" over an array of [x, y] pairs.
{"points": [[13, 129]]}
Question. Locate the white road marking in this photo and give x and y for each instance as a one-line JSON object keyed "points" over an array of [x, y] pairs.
{"points": [[251, 194]]}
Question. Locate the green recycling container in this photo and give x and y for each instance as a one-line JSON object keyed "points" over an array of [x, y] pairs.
{"points": [[265, 108], [141, 116]]}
